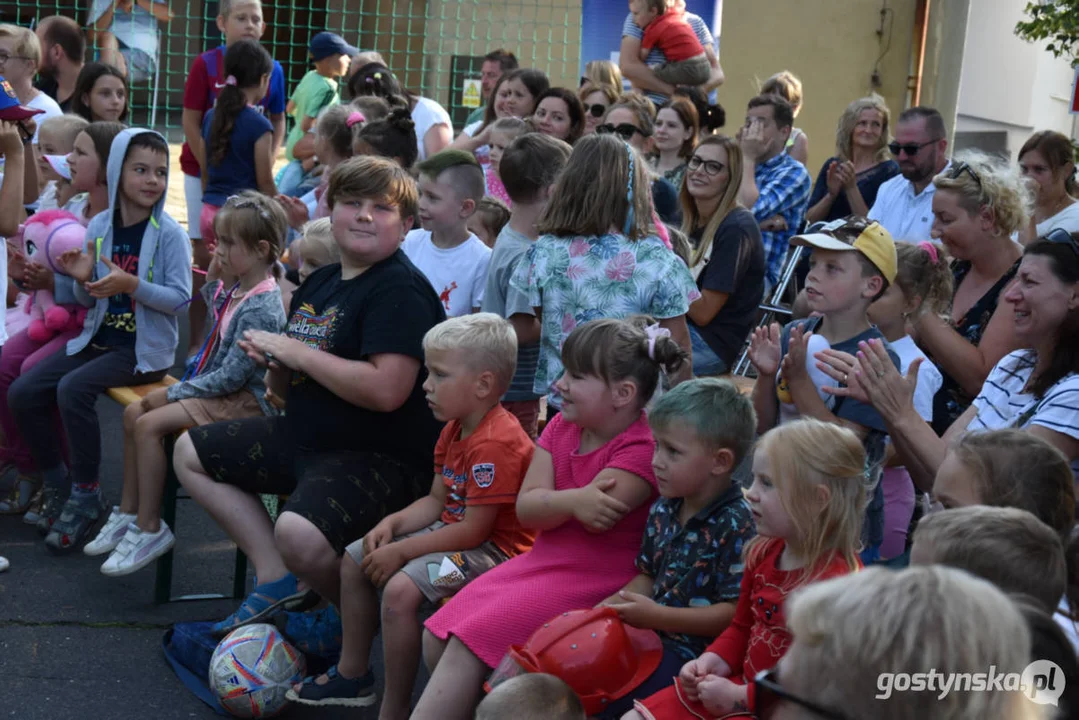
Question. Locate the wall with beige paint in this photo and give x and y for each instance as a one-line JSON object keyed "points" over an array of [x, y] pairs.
{"points": [[831, 45]]}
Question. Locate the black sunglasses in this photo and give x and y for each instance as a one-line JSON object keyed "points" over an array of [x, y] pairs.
{"points": [[623, 130], [770, 693], [597, 110], [961, 167], [1062, 237], [910, 149]]}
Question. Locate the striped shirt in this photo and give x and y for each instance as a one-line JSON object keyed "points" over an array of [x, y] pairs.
{"points": [[656, 57], [1002, 402], [783, 185]]}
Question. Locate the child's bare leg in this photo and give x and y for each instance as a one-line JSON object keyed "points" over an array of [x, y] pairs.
{"points": [[129, 498], [359, 619], [455, 687], [150, 428], [401, 638], [433, 649]]}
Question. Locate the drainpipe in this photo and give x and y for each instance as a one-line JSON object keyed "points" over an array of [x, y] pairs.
{"points": [[921, 31]]}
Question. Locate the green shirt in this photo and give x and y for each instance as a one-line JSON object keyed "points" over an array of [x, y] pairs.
{"points": [[313, 93], [476, 115]]}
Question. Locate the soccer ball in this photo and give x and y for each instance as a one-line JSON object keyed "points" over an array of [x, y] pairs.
{"points": [[252, 669]]}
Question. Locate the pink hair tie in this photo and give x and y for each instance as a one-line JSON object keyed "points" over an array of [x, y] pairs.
{"points": [[230, 80], [655, 332], [930, 250], [355, 117]]}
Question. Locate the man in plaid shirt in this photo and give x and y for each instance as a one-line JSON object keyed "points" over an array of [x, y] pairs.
{"points": [[774, 185]]}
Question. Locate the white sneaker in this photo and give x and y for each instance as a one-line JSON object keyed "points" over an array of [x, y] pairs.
{"points": [[111, 534], [138, 549]]}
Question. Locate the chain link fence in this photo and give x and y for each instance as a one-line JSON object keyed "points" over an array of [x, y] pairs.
{"points": [[433, 46]]}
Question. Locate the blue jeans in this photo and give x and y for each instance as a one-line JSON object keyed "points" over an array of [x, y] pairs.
{"points": [[291, 179], [705, 360]]}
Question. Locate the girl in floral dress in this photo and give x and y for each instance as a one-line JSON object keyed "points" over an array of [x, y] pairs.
{"points": [[599, 255]]}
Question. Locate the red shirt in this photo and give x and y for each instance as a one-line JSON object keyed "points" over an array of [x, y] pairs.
{"points": [[201, 88], [487, 468], [673, 35]]}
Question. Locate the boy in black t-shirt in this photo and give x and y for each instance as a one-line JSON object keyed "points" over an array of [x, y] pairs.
{"points": [[358, 439]]}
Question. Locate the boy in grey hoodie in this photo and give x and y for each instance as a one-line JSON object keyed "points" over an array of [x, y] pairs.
{"points": [[134, 277]]}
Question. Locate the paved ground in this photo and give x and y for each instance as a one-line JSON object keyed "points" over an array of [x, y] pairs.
{"points": [[77, 645]]}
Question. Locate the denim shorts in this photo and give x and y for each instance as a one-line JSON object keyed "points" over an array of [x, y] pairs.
{"points": [[705, 360]]}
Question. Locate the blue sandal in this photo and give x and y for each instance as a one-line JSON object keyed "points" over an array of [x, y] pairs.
{"points": [[264, 601], [337, 691]]}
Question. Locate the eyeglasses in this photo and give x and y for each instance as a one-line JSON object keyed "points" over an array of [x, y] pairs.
{"points": [[4, 57], [623, 130], [910, 149], [596, 110], [961, 167], [1062, 237], [711, 167], [770, 693]]}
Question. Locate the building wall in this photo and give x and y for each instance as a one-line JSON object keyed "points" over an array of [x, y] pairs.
{"points": [[1009, 88], [831, 44]]}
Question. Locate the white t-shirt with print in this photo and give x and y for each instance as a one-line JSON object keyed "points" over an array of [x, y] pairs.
{"points": [[458, 275], [1001, 403]]}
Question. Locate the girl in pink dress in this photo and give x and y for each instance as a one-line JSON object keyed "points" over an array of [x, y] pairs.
{"points": [[587, 491]]}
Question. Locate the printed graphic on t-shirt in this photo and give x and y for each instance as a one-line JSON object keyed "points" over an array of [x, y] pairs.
{"points": [[121, 313], [444, 296], [313, 330], [456, 491]]}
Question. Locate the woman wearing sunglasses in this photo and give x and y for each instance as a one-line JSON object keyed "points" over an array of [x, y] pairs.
{"points": [[727, 260], [676, 136], [1033, 389], [859, 638], [596, 99], [847, 183], [633, 120]]}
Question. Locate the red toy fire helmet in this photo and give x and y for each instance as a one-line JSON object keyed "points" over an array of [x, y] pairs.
{"points": [[592, 651]]}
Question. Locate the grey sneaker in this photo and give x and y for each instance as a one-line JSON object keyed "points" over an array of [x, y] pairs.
{"points": [[79, 516], [138, 549]]}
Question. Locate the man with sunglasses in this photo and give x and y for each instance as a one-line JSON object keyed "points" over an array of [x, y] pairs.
{"points": [[904, 204]]}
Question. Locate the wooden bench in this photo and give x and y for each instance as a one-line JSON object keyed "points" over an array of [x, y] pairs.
{"points": [[163, 579]]}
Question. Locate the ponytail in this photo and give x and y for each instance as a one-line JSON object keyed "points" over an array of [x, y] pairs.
{"points": [[246, 62], [924, 270]]}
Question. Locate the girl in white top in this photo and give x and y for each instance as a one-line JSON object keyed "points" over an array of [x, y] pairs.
{"points": [[923, 283], [434, 128], [1047, 161]]}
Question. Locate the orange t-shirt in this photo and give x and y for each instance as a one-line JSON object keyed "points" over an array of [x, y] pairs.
{"points": [[487, 468]]}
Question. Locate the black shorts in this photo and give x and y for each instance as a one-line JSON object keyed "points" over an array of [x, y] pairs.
{"points": [[344, 494]]}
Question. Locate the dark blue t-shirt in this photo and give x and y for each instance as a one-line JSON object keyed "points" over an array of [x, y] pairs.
{"points": [[118, 327], [665, 200], [237, 172], [869, 183]]}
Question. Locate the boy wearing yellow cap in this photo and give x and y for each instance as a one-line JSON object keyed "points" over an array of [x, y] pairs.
{"points": [[852, 263]]}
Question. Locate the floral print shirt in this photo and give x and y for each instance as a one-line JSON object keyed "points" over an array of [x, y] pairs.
{"points": [[577, 279], [697, 564]]}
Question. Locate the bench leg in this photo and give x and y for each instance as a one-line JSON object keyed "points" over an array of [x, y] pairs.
{"points": [[163, 570]]}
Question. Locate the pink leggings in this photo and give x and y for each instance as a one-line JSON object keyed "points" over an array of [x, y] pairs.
{"points": [[18, 355], [898, 510]]}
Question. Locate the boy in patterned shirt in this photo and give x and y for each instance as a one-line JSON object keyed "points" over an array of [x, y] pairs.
{"points": [[464, 527], [691, 556]]}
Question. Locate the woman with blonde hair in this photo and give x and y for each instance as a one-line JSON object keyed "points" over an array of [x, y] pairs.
{"points": [[848, 182], [603, 72], [859, 639], [727, 260]]}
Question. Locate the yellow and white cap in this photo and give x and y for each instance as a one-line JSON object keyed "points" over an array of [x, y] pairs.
{"points": [[855, 233]]}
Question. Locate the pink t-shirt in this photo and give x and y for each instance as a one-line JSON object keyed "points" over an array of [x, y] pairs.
{"points": [[495, 188]]}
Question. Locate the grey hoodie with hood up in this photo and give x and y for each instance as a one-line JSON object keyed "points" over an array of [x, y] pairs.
{"points": [[164, 273]]}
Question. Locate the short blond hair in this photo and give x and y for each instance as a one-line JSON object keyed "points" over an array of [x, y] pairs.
{"points": [[535, 696], [855, 633], [488, 338], [67, 127], [316, 244], [26, 43], [1009, 547], [991, 183]]}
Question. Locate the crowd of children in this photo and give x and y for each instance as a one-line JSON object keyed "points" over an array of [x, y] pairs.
{"points": [[523, 313]]}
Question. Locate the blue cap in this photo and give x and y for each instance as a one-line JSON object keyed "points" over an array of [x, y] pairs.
{"points": [[326, 44], [10, 107]]}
